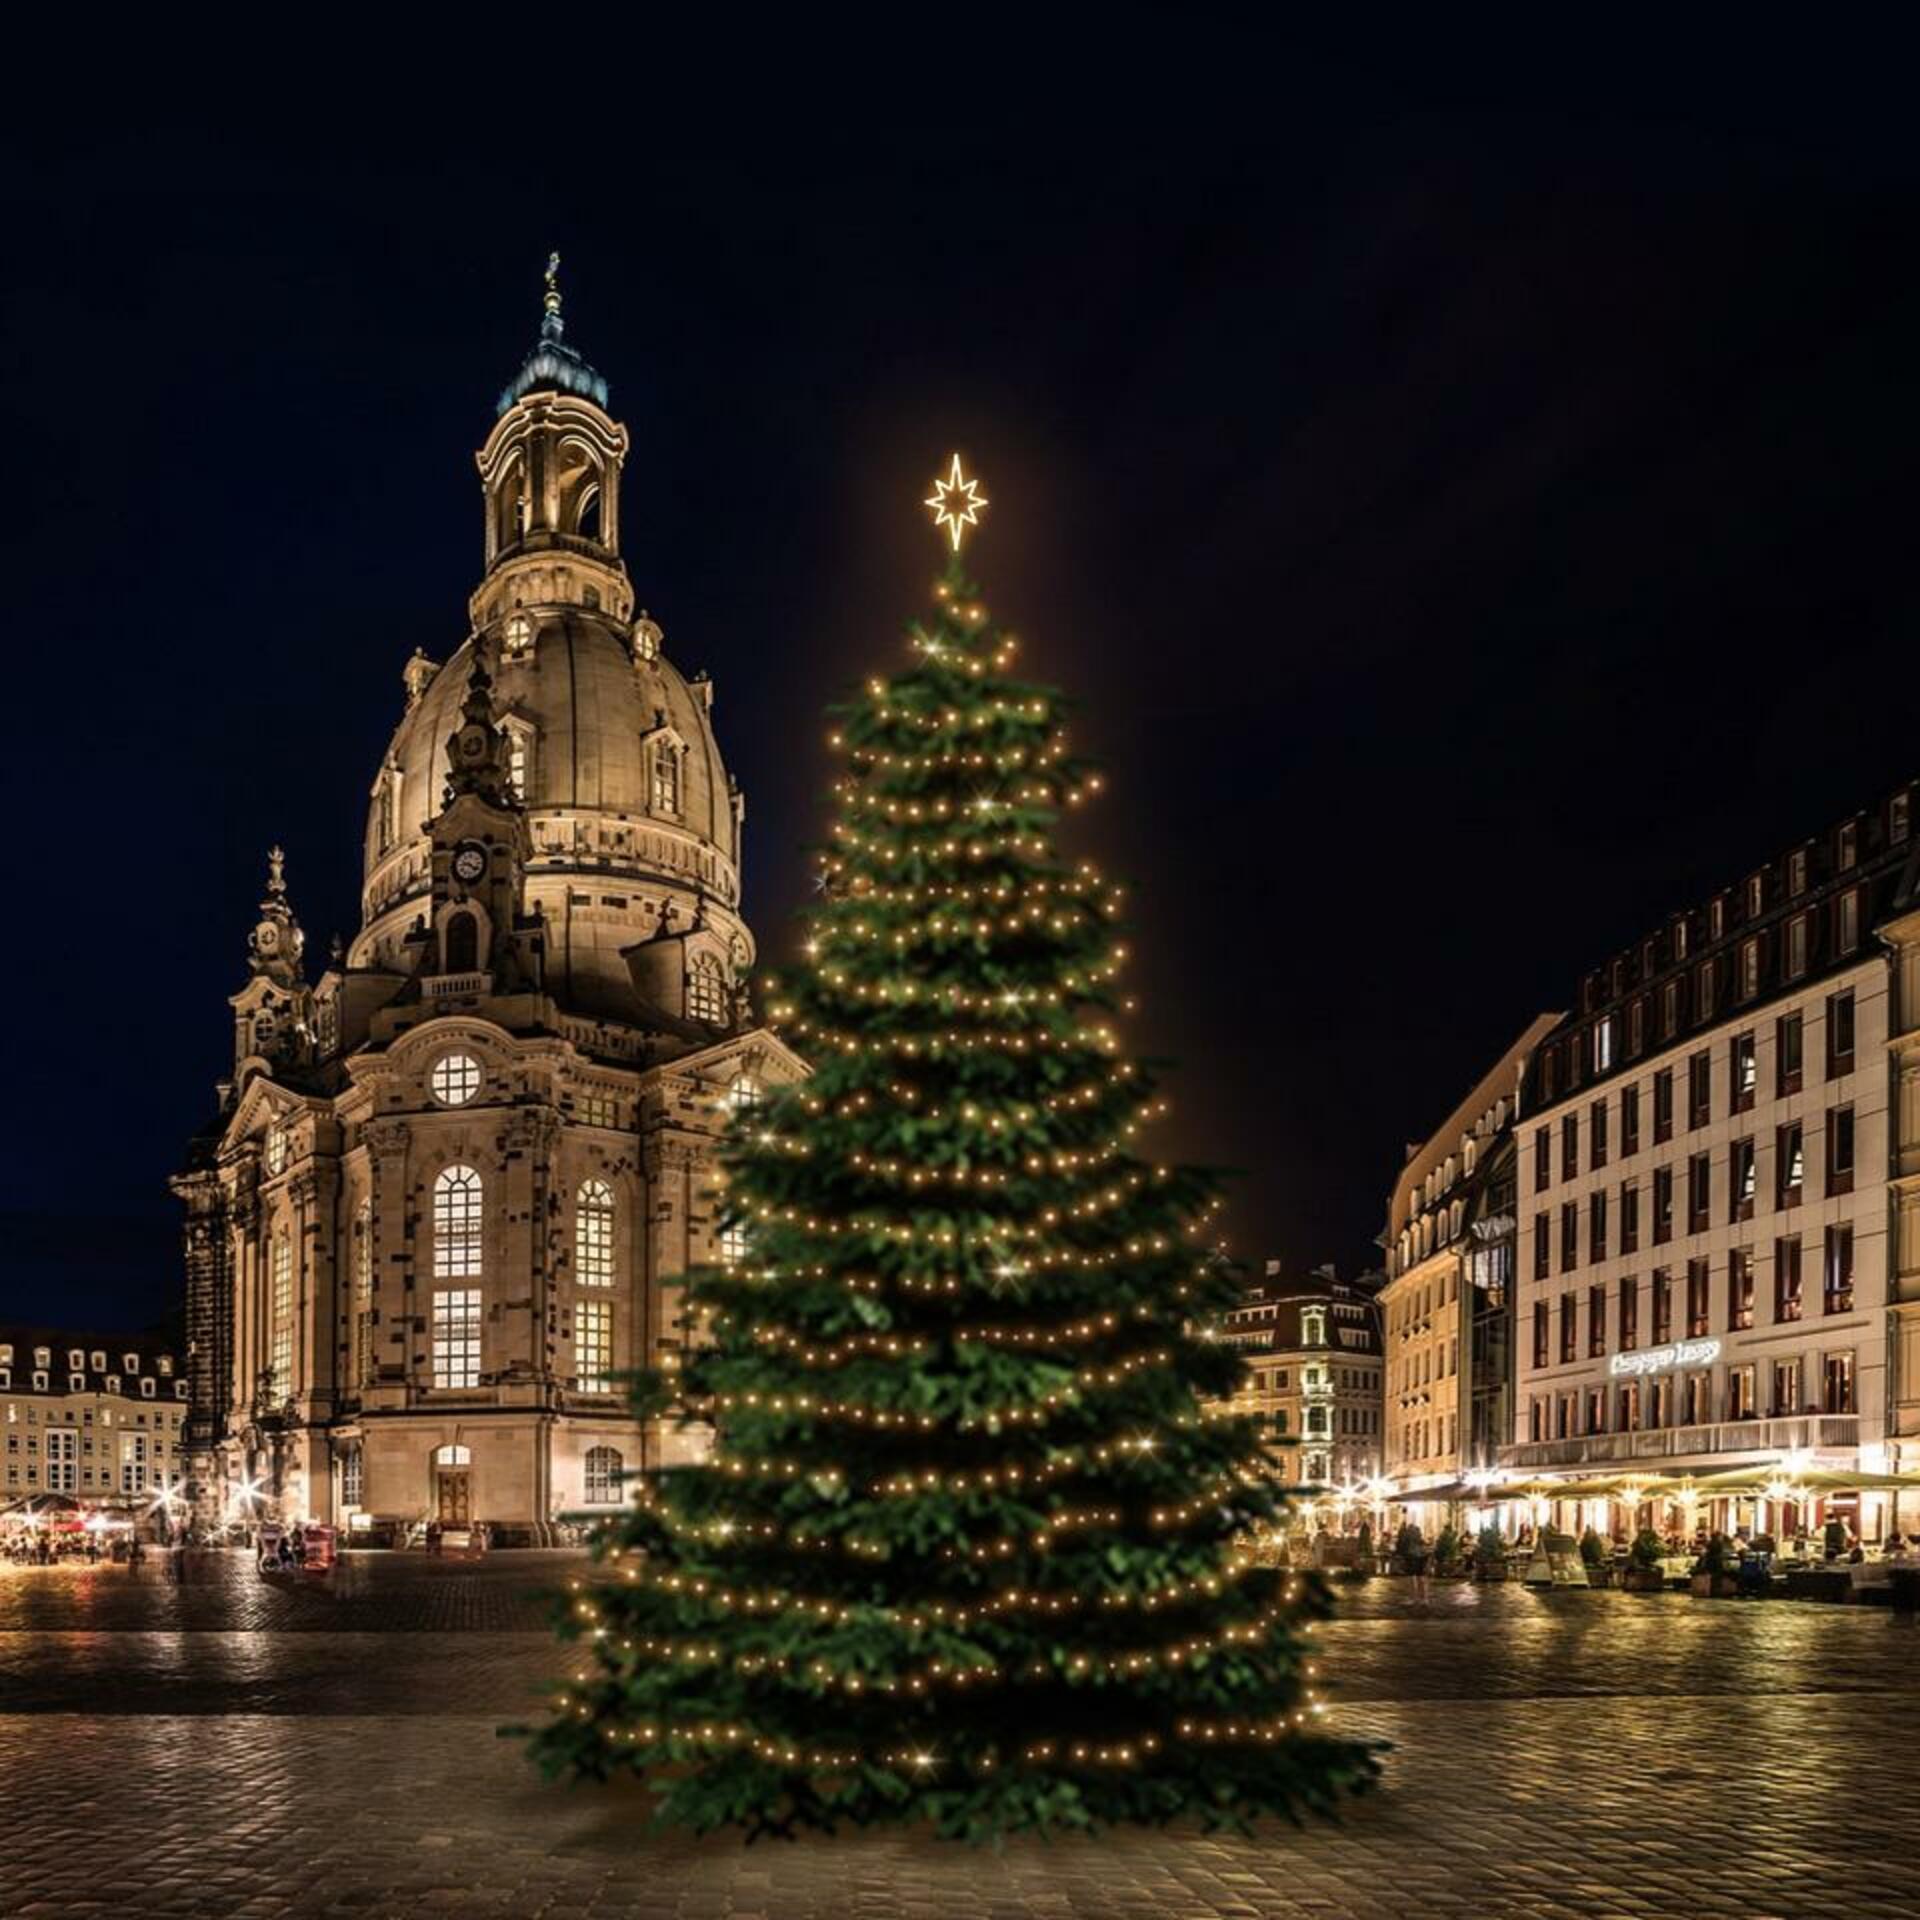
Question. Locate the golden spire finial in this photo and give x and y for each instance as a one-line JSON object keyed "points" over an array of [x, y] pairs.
{"points": [[956, 502], [551, 325]]}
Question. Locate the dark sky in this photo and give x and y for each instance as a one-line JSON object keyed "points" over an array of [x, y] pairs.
{"points": [[1471, 497]]}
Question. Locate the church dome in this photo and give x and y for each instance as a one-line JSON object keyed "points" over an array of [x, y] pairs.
{"points": [[633, 824]]}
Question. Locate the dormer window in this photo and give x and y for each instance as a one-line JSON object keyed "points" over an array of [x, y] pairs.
{"points": [[1899, 817], [43, 1356], [1797, 870], [1756, 896], [666, 776], [76, 1383], [146, 1386], [99, 1361], [1848, 847], [76, 1357], [706, 991], [165, 1364], [1717, 917], [1679, 939], [129, 1363]]}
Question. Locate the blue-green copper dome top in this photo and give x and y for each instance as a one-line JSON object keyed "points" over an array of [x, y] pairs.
{"points": [[553, 363]]}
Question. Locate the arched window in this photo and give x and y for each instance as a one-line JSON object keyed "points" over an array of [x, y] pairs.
{"points": [[453, 1456], [280, 1357], [363, 1369], [587, 515], [706, 991], [456, 1225], [383, 811], [593, 1234], [666, 777], [462, 943], [743, 1093], [604, 1467]]}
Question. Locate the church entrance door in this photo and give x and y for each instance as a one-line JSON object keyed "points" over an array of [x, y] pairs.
{"points": [[456, 1503]]}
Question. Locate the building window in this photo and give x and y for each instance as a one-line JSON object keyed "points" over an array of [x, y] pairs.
{"points": [[1899, 815], [1662, 1306], [1739, 1289], [1740, 1400], [1540, 1333], [1704, 986], [1629, 1122], [1569, 1236], [1670, 1009], [1629, 1217], [1542, 1246], [1699, 1193], [1569, 1145], [706, 991], [1662, 1205], [133, 1463], [1788, 1034], [455, 1079], [352, 1478], [1839, 1149], [1839, 1034], [1846, 922], [743, 1094], [1749, 968], [363, 1360], [734, 1244], [1603, 1045], [1743, 1071], [1542, 1159], [1699, 1090], [1743, 1165], [520, 762], [666, 777], [457, 1225], [276, 1149], [1569, 1329], [1596, 1322], [1847, 849], [1839, 1270], [604, 1467], [593, 1234], [280, 1354], [1597, 1137], [1796, 946], [1838, 1397], [593, 1345], [517, 636], [1699, 1300], [1786, 1280], [456, 1337], [1663, 1105], [1790, 1164], [1628, 1311], [1786, 1388], [1597, 1224], [60, 1460], [1797, 871]]}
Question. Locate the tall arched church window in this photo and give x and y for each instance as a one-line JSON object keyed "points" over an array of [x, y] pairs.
{"points": [[363, 1364], [604, 1467], [593, 1224], [280, 1354], [666, 777], [457, 1227], [383, 812], [706, 991]]}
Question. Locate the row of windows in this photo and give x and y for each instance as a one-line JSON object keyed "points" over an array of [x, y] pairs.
{"points": [[1688, 1400], [1740, 1089], [1789, 1187], [1739, 1285], [39, 1380], [1421, 1368], [1422, 1437], [79, 1359]]}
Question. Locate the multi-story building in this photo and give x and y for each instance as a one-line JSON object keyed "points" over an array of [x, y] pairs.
{"points": [[1447, 1307], [450, 1187], [1714, 1149], [1312, 1348], [99, 1417]]}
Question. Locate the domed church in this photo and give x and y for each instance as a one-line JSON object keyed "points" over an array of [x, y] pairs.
{"points": [[452, 1183]]}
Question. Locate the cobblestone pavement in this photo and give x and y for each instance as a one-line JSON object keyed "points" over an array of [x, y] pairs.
{"points": [[328, 1748]]}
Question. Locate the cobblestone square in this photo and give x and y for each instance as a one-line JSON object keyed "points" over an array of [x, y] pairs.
{"points": [[239, 1746]]}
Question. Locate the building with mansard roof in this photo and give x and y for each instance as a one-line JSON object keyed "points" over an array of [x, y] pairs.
{"points": [[452, 1183], [1719, 1184]]}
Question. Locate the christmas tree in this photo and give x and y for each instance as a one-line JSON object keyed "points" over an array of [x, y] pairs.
{"points": [[968, 1547]]}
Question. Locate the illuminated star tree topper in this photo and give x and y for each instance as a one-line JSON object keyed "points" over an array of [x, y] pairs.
{"points": [[956, 502]]}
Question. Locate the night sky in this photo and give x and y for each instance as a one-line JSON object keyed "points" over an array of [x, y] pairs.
{"points": [[1472, 529]]}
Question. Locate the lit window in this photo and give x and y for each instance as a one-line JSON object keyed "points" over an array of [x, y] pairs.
{"points": [[352, 1483], [456, 1337], [384, 808], [593, 1234], [455, 1079], [456, 1225], [597, 1110], [1847, 930], [666, 777], [743, 1093], [733, 1243], [276, 1149], [706, 991], [518, 636], [133, 1463], [146, 1386], [593, 1345], [363, 1360], [281, 1358], [61, 1459], [604, 1467]]}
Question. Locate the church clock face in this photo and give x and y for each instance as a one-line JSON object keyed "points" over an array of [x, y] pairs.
{"points": [[469, 861]]}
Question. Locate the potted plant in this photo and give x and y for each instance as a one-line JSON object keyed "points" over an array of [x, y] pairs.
{"points": [[1716, 1572], [1643, 1572], [1489, 1554], [1446, 1551], [1597, 1559]]}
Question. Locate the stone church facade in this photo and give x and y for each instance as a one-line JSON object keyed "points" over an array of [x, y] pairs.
{"points": [[452, 1183]]}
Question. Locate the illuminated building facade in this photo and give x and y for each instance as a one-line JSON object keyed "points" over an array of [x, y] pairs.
{"points": [[1447, 1308], [1719, 1181], [99, 1418], [451, 1184], [1312, 1349]]}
